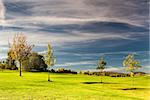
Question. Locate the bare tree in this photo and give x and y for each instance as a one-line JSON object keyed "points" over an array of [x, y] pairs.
{"points": [[101, 65], [49, 59], [20, 50], [131, 64]]}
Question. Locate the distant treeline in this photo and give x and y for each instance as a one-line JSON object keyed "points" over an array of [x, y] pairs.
{"points": [[111, 74], [105, 73], [37, 68]]}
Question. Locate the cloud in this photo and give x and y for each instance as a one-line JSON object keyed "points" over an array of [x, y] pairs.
{"points": [[145, 69], [71, 33], [58, 38], [76, 63], [114, 69], [111, 53], [110, 69], [94, 27], [70, 12], [80, 30], [74, 21], [67, 11], [3, 52], [2, 10], [2, 13]]}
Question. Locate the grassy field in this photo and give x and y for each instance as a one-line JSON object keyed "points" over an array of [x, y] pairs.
{"points": [[34, 86]]}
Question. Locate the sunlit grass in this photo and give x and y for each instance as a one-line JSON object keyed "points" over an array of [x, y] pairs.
{"points": [[34, 86]]}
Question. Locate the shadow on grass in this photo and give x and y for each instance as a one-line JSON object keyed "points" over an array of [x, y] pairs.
{"points": [[134, 89], [98, 83], [50, 81]]}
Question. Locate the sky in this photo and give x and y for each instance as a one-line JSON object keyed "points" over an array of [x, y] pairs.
{"points": [[80, 31]]}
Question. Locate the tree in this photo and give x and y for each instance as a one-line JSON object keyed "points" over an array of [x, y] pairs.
{"points": [[101, 65], [49, 59], [2, 65], [10, 63], [20, 49], [35, 63], [131, 64]]}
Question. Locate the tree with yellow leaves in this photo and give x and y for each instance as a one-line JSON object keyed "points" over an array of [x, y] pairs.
{"points": [[49, 59], [101, 65], [131, 64], [19, 49]]}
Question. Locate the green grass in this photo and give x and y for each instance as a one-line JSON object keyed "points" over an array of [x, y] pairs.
{"points": [[34, 86]]}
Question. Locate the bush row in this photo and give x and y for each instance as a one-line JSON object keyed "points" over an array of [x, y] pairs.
{"points": [[6, 66], [111, 74], [62, 70]]}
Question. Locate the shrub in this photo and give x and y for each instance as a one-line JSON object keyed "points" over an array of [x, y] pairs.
{"points": [[62, 70], [2, 66]]}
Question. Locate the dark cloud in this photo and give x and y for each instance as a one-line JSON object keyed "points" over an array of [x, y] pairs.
{"points": [[14, 9], [102, 46]]}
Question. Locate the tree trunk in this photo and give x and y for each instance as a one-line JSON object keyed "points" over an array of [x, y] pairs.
{"points": [[48, 75], [131, 74], [101, 76], [20, 68]]}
